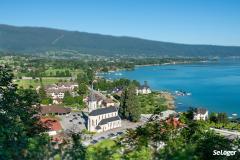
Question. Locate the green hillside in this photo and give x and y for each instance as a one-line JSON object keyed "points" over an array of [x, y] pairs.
{"points": [[38, 40]]}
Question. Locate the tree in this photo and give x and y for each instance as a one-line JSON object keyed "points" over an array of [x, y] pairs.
{"points": [[143, 153], [129, 105], [82, 78], [210, 142], [76, 150], [68, 99], [222, 118], [123, 106], [190, 113], [104, 150], [42, 93], [132, 103], [20, 130], [79, 100], [90, 75], [82, 89], [213, 117], [46, 101]]}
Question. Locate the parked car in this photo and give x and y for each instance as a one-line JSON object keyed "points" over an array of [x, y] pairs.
{"points": [[79, 122], [111, 135], [101, 138], [119, 133], [94, 141]]}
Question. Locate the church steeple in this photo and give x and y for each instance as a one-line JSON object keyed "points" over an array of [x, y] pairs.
{"points": [[92, 102]]}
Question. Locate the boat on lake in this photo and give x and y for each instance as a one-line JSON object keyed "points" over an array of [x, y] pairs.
{"points": [[118, 74], [182, 93]]}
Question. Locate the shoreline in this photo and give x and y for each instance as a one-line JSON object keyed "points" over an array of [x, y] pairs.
{"points": [[170, 99], [156, 64]]}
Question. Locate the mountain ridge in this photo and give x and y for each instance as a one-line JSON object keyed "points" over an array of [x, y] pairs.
{"points": [[38, 40]]}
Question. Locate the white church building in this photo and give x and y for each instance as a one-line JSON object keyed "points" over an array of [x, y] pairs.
{"points": [[101, 118]]}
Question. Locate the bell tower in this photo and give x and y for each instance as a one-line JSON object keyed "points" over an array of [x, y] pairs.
{"points": [[92, 102]]}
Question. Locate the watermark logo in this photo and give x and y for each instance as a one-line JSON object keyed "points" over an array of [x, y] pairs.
{"points": [[223, 153]]}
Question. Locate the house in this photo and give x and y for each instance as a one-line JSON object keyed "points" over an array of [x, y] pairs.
{"points": [[143, 89], [54, 110], [57, 91], [102, 116], [200, 114], [57, 101], [108, 102], [53, 126], [96, 99]]}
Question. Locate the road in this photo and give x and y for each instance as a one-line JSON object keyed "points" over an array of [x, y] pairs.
{"points": [[227, 133], [115, 132]]}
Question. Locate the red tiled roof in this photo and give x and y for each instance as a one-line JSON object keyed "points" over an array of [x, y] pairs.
{"points": [[174, 121], [51, 124]]}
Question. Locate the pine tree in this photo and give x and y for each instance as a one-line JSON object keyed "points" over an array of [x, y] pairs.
{"points": [[129, 105]]}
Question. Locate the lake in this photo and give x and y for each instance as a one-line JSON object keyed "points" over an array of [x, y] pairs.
{"points": [[214, 85]]}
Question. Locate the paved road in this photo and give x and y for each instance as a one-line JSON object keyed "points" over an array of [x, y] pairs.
{"points": [[227, 133]]}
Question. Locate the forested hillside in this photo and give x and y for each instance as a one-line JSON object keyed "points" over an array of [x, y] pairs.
{"points": [[38, 40]]}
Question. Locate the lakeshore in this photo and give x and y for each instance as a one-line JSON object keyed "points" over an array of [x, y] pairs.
{"points": [[213, 85]]}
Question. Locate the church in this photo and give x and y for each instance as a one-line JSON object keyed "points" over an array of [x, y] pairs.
{"points": [[101, 117]]}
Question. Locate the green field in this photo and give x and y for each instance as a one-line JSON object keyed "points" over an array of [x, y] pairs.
{"points": [[52, 72], [25, 83]]}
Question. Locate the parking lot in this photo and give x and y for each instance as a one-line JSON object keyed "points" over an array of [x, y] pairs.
{"points": [[73, 122], [113, 133]]}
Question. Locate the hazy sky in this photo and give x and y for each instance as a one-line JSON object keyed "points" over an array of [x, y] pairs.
{"points": [[183, 21]]}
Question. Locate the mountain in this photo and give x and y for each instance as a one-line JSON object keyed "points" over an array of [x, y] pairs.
{"points": [[37, 40]]}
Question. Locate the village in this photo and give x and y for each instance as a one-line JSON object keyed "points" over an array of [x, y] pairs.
{"points": [[100, 119]]}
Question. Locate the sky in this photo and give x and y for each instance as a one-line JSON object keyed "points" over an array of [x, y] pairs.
{"points": [[214, 22]]}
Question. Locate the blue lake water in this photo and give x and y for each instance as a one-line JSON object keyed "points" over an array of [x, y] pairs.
{"points": [[214, 85]]}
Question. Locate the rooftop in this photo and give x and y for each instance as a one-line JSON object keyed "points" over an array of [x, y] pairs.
{"points": [[201, 111], [51, 124], [111, 119], [101, 111], [144, 86], [54, 109]]}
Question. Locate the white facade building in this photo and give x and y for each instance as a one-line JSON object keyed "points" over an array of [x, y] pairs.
{"points": [[57, 91], [200, 114], [103, 119], [144, 89], [102, 115]]}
